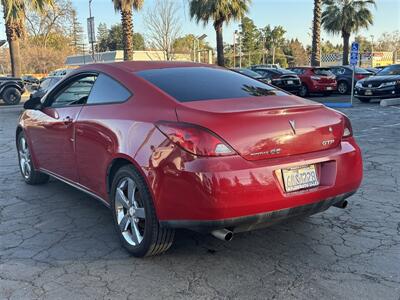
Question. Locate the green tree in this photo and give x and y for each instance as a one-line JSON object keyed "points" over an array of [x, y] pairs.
{"points": [[345, 17], [14, 16], [102, 37], [274, 38], [251, 41], [125, 7], [219, 11], [76, 32], [112, 39], [316, 34]]}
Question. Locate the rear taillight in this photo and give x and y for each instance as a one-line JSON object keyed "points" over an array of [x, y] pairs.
{"points": [[359, 76], [348, 130], [195, 139]]}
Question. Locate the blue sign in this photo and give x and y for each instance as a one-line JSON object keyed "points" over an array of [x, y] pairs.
{"points": [[354, 53]]}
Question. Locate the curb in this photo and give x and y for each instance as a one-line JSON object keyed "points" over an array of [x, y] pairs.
{"points": [[389, 102]]}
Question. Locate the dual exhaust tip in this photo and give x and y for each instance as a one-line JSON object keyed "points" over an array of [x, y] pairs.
{"points": [[227, 235]]}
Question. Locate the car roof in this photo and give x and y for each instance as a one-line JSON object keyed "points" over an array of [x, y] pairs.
{"points": [[136, 66]]}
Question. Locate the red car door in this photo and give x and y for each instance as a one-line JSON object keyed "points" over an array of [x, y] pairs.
{"points": [[53, 136], [96, 141]]}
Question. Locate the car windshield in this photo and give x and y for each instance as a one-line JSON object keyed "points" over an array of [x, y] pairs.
{"points": [[391, 70], [323, 72], [45, 84], [201, 83]]}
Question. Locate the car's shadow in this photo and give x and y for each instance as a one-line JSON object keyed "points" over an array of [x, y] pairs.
{"points": [[68, 225]]}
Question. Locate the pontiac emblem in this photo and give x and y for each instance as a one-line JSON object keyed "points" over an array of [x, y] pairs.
{"points": [[293, 125], [369, 85]]}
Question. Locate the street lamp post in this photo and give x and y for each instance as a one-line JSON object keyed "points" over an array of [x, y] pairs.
{"points": [[372, 50], [198, 39], [91, 28]]}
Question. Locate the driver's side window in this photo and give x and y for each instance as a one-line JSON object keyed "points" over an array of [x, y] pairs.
{"points": [[75, 93]]}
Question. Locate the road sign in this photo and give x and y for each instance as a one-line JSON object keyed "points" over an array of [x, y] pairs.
{"points": [[354, 53], [91, 31]]}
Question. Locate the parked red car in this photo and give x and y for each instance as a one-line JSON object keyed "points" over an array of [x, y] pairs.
{"points": [[171, 145], [315, 80]]}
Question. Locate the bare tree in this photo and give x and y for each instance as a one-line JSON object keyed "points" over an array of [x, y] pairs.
{"points": [[163, 26], [56, 18]]}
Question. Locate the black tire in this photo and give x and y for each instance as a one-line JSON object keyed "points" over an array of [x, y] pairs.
{"points": [[32, 177], [154, 239], [343, 88], [303, 91], [365, 100], [11, 96]]}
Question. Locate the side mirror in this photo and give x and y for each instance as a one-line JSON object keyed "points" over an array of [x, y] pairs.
{"points": [[33, 103]]}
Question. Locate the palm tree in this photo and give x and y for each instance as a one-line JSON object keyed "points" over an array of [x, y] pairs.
{"points": [[316, 34], [126, 7], [14, 17], [345, 17], [219, 11]]}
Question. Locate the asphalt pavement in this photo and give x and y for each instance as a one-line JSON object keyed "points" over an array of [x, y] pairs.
{"points": [[59, 243]]}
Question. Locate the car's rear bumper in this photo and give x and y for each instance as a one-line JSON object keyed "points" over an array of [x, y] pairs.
{"points": [[251, 222], [323, 88], [189, 190]]}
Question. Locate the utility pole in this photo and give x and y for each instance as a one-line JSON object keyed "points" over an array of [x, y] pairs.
{"points": [[240, 51]]}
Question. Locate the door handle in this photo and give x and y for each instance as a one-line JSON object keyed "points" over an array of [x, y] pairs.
{"points": [[67, 120]]}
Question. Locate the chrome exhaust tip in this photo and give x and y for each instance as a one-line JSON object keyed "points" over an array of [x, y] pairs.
{"points": [[223, 234]]}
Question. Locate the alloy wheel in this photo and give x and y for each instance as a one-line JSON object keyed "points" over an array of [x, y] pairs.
{"points": [[129, 210], [342, 88], [24, 158]]}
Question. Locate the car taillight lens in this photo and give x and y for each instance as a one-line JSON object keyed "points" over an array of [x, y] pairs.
{"points": [[348, 130], [195, 139], [359, 76]]}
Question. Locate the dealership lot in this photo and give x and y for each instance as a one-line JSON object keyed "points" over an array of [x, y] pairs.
{"points": [[58, 243]]}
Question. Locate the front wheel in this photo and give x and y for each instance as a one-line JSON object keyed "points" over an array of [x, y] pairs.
{"points": [[134, 215], [28, 172], [11, 96]]}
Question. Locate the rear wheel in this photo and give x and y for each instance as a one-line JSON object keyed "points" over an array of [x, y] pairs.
{"points": [[30, 175], [11, 96], [303, 92], [343, 87], [134, 215]]}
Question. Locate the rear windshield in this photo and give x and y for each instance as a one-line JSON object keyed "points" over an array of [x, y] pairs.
{"points": [[201, 83], [248, 73], [323, 72], [391, 70]]}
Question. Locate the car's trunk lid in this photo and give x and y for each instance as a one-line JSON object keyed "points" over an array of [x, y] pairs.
{"points": [[267, 127]]}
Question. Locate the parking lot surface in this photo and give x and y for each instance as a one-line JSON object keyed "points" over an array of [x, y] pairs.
{"points": [[59, 243]]}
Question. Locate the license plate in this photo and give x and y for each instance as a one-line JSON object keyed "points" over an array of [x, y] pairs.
{"points": [[300, 178], [329, 88], [368, 92], [289, 82]]}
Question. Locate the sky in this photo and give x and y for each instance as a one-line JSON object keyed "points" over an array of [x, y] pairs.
{"points": [[294, 15]]}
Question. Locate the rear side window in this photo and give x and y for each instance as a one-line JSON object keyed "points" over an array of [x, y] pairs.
{"points": [[107, 90], [201, 83]]}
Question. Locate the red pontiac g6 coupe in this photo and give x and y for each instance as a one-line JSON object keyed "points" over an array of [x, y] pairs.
{"points": [[171, 145]]}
